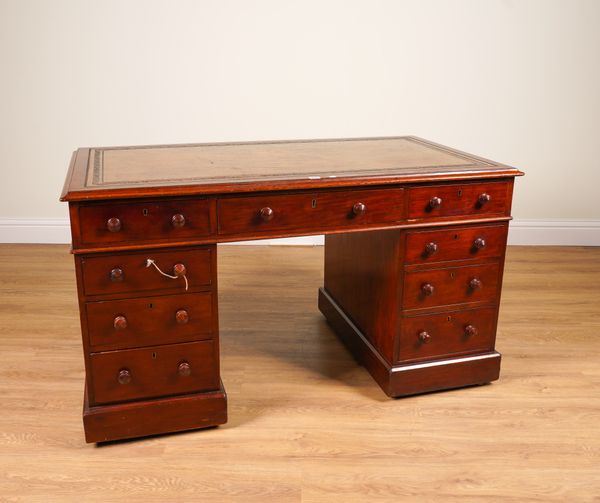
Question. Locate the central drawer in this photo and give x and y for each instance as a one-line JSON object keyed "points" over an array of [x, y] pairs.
{"points": [[155, 371], [450, 285], [309, 211], [148, 321]]}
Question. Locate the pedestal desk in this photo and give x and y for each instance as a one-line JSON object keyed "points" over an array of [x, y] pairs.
{"points": [[414, 254]]}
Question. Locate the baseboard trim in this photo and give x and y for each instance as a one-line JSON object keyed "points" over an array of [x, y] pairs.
{"points": [[554, 232], [522, 232]]}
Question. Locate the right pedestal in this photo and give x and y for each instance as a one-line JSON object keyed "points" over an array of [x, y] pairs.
{"points": [[418, 307]]}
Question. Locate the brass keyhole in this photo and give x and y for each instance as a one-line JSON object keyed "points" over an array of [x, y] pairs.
{"points": [[313, 204], [459, 193], [151, 305], [455, 236], [453, 275], [154, 356], [449, 318], [145, 212]]}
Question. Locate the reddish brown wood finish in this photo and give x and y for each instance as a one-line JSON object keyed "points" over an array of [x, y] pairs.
{"points": [[154, 371], [448, 334], [452, 285], [455, 243], [415, 298], [409, 379], [151, 417], [148, 221], [136, 276], [313, 211], [150, 321], [370, 291], [457, 199]]}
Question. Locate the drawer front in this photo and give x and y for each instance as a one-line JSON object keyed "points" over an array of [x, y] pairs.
{"points": [[312, 211], [144, 221], [437, 335], [128, 272], [149, 321], [156, 371], [455, 243], [451, 285], [473, 199]]}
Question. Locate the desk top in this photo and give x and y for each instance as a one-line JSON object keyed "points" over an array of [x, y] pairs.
{"points": [[169, 170]]}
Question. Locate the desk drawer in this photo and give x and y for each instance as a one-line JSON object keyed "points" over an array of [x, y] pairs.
{"points": [[438, 335], [312, 211], [156, 371], [148, 321], [164, 220], [474, 199], [451, 285], [455, 243], [128, 272]]}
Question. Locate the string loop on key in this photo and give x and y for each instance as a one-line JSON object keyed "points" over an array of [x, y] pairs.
{"points": [[150, 262]]}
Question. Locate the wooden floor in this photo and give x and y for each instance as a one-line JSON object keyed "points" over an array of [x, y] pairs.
{"points": [[325, 431]]}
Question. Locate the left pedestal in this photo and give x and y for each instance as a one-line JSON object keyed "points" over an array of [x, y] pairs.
{"points": [[149, 324]]}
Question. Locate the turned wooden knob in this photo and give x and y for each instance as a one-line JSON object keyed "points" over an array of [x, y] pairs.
{"points": [[359, 208], [471, 331], [431, 248], [435, 202], [184, 369], [124, 376], [117, 274], [475, 284], [178, 220], [120, 323], [479, 243], [182, 316], [266, 214], [179, 270], [113, 224], [427, 289], [424, 336], [484, 198]]}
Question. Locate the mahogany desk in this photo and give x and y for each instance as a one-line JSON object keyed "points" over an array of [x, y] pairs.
{"points": [[415, 298]]}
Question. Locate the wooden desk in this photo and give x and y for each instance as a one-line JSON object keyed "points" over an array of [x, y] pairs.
{"points": [[414, 254]]}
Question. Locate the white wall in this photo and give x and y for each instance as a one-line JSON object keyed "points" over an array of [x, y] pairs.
{"points": [[515, 80]]}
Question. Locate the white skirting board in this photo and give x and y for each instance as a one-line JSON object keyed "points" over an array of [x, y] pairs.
{"points": [[522, 232]]}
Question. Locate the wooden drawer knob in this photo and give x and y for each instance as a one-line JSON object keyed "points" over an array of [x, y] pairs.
{"points": [[120, 323], [435, 202], [184, 369], [479, 243], [182, 316], [484, 198], [427, 289], [113, 224], [117, 275], [179, 270], [266, 214], [359, 208], [471, 331], [431, 248], [178, 221], [124, 376], [475, 284], [424, 336]]}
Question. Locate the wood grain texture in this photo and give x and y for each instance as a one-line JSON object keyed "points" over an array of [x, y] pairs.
{"points": [[305, 423]]}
